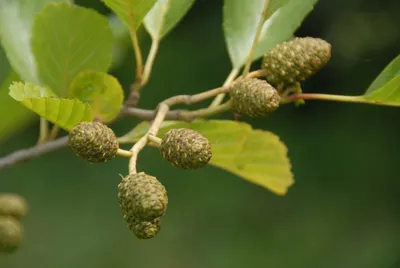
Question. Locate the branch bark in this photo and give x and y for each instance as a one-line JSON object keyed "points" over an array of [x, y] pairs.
{"points": [[148, 115], [33, 152]]}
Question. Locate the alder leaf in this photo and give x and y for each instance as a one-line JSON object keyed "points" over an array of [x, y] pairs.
{"points": [[391, 70], [67, 40], [102, 91], [16, 21], [254, 155], [15, 116], [65, 113], [131, 12], [165, 15], [240, 20], [389, 94]]}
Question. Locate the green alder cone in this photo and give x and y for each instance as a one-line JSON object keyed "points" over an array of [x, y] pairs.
{"points": [[93, 141], [12, 205], [10, 234], [295, 60], [254, 97], [144, 229], [185, 148], [142, 196]]}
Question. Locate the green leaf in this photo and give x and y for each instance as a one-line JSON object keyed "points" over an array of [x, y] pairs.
{"points": [[67, 40], [389, 94], [21, 91], [131, 12], [16, 20], [255, 155], [5, 67], [165, 15], [65, 113], [390, 71], [15, 116], [240, 19], [282, 24], [274, 5], [122, 41], [102, 91]]}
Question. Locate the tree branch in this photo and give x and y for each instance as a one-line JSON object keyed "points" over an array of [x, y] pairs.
{"points": [[263, 18], [135, 152], [338, 98], [146, 114], [150, 61], [189, 116], [41, 149], [159, 115], [33, 152], [180, 115], [155, 126], [44, 131], [219, 98], [162, 111]]}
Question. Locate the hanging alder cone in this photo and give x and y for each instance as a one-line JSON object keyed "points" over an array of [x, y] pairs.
{"points": [[142, 196], [12, 205], [144, 229], [93, 141], [10, 234], [295, 60], [185, 148], [254, 97]]}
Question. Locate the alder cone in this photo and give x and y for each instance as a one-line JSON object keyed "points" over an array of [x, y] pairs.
{"points": [[93, 142], [254, 97], [144, 229], [12, 205], [185, 148], [10, 234], [142, 197], [295, 60]]}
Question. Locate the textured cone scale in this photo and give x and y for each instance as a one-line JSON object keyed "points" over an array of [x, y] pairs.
{"points": [[10, 234], [93, 141], [142, 196], [12, 205], [185, 148], [144, 229], [295, 60], [254, 97]]}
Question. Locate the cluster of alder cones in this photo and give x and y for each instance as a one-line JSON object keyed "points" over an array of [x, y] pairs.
{"points": [[143, 199], [12, 208]]}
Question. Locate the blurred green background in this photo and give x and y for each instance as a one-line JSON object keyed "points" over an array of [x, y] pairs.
{"points": [[343, 211]]}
